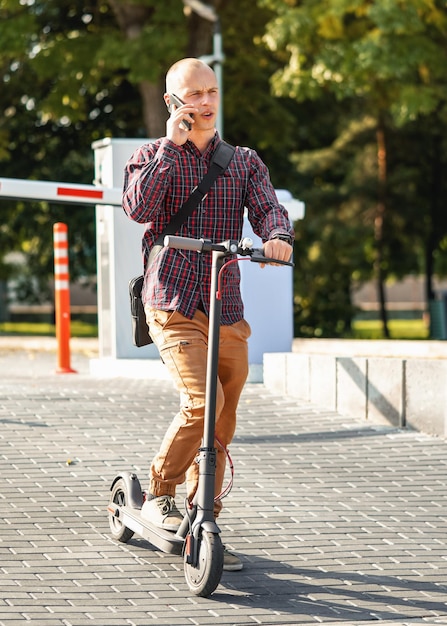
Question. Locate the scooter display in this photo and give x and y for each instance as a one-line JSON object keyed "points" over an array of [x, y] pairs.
{"points": [[198, 537]]}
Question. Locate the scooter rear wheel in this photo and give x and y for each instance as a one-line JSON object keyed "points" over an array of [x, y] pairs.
{"points": [[120, 497], [203, 579]]}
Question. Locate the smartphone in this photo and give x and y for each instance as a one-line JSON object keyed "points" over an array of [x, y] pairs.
{"points": [[173, 99]]}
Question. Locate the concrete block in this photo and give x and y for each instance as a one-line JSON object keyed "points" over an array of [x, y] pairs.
{"points": [[275, 372], [351, 386], [297, 376], [385, 391], [323, 376], [425, 395], [394, 391]]}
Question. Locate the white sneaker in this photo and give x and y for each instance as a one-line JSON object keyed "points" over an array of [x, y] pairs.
{"points": [[162, 512]]}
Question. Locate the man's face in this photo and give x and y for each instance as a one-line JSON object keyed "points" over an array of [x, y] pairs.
{"points": [[199, 87]]}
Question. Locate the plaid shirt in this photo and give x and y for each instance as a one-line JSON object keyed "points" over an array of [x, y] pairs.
{"points": [[159, 178]]}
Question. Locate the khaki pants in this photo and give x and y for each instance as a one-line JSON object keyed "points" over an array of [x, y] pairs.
{"points": [[182, 344]]}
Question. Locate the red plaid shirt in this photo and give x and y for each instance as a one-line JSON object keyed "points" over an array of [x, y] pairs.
{"points": [[159, 178]]}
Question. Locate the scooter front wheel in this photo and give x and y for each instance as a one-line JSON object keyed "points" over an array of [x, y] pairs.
{"points": [[120, 497], [203, 579]]}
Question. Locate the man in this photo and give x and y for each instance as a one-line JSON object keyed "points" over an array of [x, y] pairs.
{"points": [[159, 177]]}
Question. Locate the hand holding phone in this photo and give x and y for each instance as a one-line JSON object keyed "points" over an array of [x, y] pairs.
{"points": [[175, 100]]}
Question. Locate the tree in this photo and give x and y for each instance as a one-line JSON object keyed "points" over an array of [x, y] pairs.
{"points": [[53, 108], [72, 47], [382, 59], [72, 74]]}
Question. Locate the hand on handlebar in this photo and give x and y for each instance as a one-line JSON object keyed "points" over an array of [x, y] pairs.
{"points": [[277, 249]]}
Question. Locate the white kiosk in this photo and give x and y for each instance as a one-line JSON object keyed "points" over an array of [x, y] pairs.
{"points": [[267, 293]]}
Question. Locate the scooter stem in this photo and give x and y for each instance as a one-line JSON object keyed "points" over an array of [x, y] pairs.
{"points": [[213, 352], [208, 454]]}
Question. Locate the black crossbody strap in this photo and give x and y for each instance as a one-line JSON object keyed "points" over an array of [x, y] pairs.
{"points": [[219, 163]]}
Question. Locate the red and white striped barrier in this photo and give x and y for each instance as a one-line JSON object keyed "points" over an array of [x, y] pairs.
{"points": [[91, 194], [62, 298], [58, 192]]}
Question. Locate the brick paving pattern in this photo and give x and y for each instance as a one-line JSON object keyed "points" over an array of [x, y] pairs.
{"points": [[337, 521]]}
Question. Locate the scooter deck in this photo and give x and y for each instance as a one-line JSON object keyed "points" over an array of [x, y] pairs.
{"points": [[164, 540]]}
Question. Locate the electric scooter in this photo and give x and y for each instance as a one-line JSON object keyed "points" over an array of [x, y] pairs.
{"points": [[198, 537]]}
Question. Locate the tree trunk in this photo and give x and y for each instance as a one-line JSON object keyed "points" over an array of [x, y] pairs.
{"points": [[434, 228], [200, 36], [131, 19], [153, 108], [379, 226]]}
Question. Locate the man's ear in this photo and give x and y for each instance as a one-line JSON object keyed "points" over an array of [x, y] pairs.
{"points": [[167, 102]]}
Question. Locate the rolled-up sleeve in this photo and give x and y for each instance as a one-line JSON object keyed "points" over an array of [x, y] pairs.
{"points": [[265, 214]]}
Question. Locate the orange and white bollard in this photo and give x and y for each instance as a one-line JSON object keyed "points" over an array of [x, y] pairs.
{"points": [[62, 298]]}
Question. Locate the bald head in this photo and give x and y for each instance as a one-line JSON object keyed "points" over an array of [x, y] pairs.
{"points": [[179, 75]]}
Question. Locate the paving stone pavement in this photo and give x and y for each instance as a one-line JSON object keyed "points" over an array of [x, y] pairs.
{"points": [[337, 521]]}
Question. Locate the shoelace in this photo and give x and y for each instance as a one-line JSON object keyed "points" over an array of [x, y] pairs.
{"points": [[166, 505]]}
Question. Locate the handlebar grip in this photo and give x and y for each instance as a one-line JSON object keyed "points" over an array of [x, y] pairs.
{"points": [[257, 256], [183, 243]]}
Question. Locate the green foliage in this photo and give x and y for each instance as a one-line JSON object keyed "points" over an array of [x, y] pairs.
{"points": [[378, 51], [77, 53], [56, 100], [333, 241], [374, 63], [252, 117], [159, 43]]}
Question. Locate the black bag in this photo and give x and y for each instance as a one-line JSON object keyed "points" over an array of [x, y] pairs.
{"points": [[140, 329]]}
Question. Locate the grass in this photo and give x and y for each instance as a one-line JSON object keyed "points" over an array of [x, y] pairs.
{"points": [[41, 329], [399, 329], [362, 329]]}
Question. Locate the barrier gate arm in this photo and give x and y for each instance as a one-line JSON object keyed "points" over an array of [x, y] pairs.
{"points": [[16, 188], [91, 194]]}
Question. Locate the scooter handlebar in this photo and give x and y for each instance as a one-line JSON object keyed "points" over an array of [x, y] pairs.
{"points": [[256, 255], [183, 243]]}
